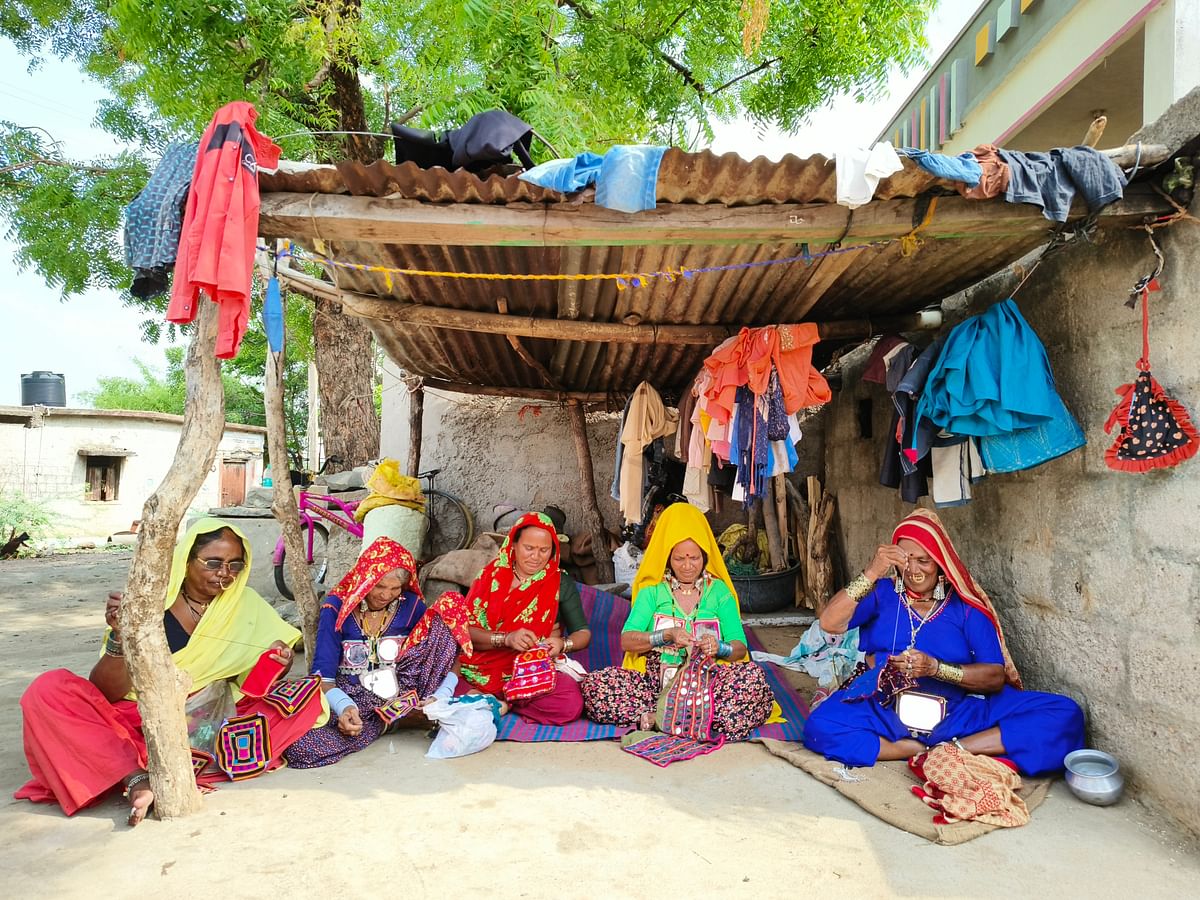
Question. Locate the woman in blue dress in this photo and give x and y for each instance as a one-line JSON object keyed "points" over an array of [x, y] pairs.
{"points": [[939, 668]]}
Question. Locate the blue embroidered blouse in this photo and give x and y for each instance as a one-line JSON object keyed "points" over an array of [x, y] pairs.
{"points": [[333, 646]]}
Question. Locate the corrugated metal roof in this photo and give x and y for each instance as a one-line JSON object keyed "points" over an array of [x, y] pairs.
{"points": [[874, 281]]}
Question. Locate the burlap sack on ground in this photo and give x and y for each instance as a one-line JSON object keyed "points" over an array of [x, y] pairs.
{"points": [[885, 791]]}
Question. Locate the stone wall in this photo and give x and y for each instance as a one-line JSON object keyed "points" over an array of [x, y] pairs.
{"points": [[494, 451], [1094, 571]]}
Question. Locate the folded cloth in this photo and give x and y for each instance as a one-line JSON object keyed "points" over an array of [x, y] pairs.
{"points": [[859, 171], [993, 182], [1051, 180], [960, 786], [962, 168], [629, 178], [565, 175]]}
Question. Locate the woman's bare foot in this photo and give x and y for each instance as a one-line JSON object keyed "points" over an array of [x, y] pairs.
{"points": [[646, 721], [140, 797]]}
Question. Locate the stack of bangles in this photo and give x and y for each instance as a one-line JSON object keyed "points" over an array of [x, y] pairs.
{"points": [[498, 638], [859, 587], [947, 672], [112, 646]]}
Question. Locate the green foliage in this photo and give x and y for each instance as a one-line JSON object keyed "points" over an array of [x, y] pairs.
{"points": [[18, 512]]}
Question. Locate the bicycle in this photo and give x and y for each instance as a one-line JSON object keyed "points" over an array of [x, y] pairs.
{"points": [[449, 527]]}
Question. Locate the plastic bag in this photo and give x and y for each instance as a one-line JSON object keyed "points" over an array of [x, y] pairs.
{"points": [[626, 560], [463, 728]]}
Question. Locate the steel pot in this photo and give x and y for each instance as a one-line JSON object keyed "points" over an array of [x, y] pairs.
{"points": [[1094, 777]]}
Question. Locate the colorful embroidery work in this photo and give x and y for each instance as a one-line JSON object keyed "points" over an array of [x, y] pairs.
{"points": [[451, 607], [383, 557], [200, 761], [686, 706], [664, 749], [533, 675], [290, 696], [398, 707], [244, 746]]}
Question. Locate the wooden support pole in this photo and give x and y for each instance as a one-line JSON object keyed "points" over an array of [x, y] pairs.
{"points": [[162, 688], [779, 495], [283, 504], [412, 314], [774, 529], [416, 422], [591, 507]]}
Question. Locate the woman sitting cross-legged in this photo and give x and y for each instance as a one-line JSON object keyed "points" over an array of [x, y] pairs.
{"points": [[940, 670], [83, 736], [520, 602], [683, 603], [378, 644]]}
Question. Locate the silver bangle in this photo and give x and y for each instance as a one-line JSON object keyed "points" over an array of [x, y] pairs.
{"points": [[658, 638]]}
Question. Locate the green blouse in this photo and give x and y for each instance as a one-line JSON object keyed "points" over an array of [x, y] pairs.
{"points": [[717, 602]]}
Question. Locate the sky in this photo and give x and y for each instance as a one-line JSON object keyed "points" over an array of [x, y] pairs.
{"points": [[95, 334]]}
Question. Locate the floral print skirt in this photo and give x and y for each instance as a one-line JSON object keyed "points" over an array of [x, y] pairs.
{"points": [[742, 698]]}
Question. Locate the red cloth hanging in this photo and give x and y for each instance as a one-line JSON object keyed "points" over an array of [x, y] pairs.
{"points": [[220, 223]]}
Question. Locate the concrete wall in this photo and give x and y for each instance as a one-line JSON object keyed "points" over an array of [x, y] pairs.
{"points": [[44, 464], [1094, 571]]}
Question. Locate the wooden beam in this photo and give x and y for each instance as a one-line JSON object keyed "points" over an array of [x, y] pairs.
{"points": [[341, 217], [510, 393], [411, 314], [416, 421]]}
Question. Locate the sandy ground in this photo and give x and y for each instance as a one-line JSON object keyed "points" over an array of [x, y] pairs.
{"points": [[520, 820]]}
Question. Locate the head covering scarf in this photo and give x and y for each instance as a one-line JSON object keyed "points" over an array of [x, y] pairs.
{"points": [[500, 601], [925, 528], [238, 626], [680, 522], [454, 613], [383, 557]]}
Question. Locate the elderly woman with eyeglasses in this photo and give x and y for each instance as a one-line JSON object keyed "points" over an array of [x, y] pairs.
{"points": [[83, 736]]}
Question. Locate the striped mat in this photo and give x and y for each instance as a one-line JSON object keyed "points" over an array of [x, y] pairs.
{"points": [[606, 613]]}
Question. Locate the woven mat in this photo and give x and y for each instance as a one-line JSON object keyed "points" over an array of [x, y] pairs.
{"points": [[606, 613], [884, 791]]}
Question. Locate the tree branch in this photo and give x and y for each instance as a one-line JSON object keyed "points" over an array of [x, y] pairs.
{"points": [[688, 77], [758, 68], [46, 161]]}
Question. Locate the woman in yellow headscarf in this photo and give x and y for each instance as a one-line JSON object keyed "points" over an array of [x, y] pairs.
{"points": [[684, 604], [83, 736]]}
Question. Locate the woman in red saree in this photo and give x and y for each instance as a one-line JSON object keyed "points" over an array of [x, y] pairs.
{"points": [[520, 602], [83, 736]]}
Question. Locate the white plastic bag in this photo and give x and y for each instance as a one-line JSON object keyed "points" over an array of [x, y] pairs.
{"points": [[626, 560], [463, 727]]}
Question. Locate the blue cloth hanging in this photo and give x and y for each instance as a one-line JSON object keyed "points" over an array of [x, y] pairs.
{"points": [[273, 315]]}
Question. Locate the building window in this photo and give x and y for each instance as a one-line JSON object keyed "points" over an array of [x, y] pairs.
{"points": [[103, 476]]}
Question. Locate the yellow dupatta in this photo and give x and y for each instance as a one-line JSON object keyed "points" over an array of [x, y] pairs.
{"points": [[238, 626], [682, 522]]}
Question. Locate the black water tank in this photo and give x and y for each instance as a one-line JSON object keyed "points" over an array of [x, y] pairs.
{"points": [[43, 388]]}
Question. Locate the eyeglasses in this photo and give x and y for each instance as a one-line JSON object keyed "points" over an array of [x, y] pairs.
{"points": [[215, 565]]}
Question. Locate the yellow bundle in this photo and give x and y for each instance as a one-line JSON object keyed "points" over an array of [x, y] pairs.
{"points": [[390, 488]]}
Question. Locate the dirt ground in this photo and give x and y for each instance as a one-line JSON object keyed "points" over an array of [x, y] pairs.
{"points": [[519, 820]]}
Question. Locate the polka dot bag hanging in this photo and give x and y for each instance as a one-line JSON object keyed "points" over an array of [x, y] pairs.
{"points": [[1155, 430]]}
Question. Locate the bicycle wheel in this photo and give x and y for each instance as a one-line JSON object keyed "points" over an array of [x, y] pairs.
{"points": [[450, 526], [317, 569]]}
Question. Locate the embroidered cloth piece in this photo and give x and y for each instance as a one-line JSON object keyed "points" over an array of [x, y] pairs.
{"points": [[533, 675], [398, 707], [244, 746], [290, 696], [664, 749]]}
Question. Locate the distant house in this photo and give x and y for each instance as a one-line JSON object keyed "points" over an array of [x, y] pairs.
{"points": [[96, 467], [1033, 74]]}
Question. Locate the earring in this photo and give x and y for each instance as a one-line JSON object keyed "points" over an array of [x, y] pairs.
{"points": [[362, 606], [899, 583], [939, 592]]}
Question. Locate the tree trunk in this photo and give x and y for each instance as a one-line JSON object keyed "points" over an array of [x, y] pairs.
{"points": [[161, 687], [283, 505], [343, 345], [416, 422], [591, 507], [345, 358]]}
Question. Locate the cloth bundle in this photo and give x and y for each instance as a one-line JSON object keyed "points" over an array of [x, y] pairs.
{"points": [[959, 785]]}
